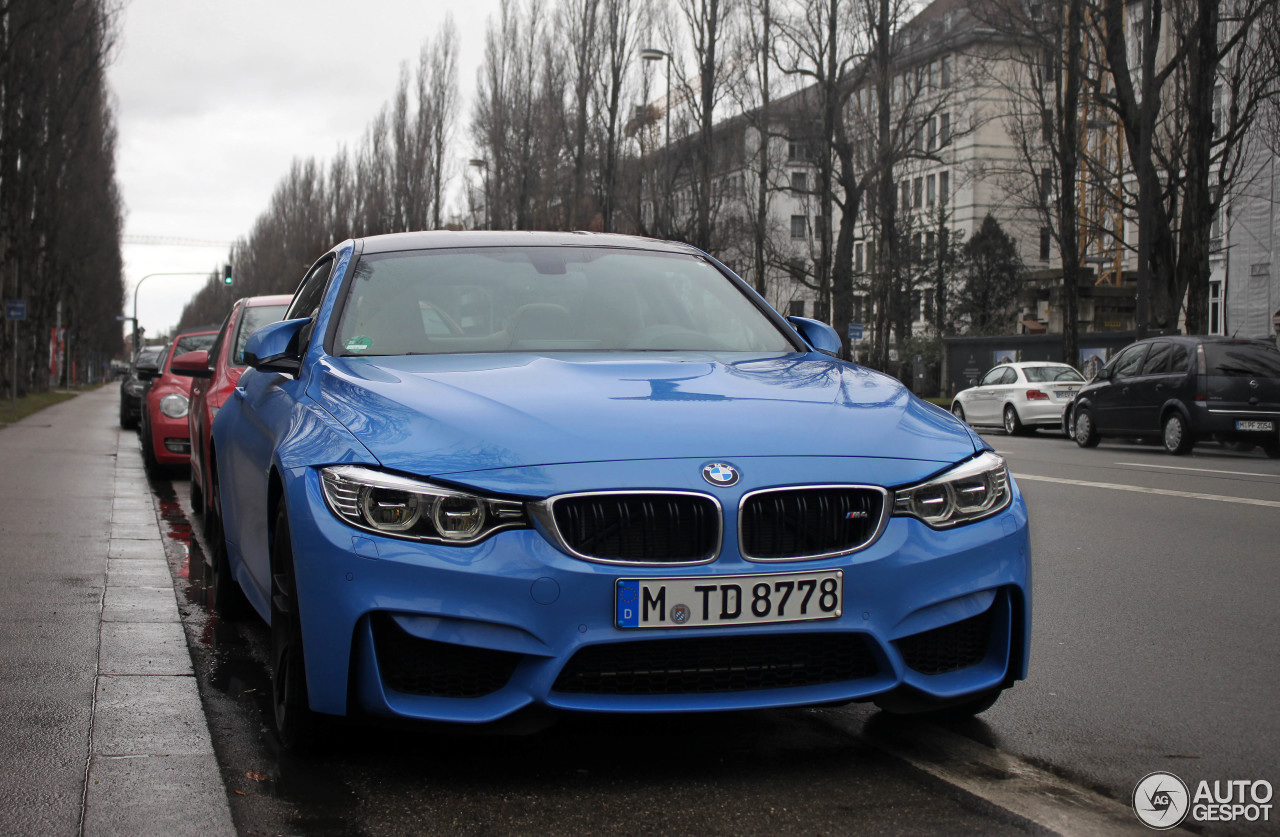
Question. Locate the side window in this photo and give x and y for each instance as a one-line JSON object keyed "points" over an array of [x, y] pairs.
{"points": [[306, 302], [1129, 362], [1179, 359], [1158, 359], [993, 377], [1010, 376]]}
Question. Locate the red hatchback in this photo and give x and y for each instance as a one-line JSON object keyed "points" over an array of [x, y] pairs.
{"points": [[164, 406], [219, 372]]}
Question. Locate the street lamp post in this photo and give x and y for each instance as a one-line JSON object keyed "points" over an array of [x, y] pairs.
{"points": [[654, 54], [135, 300], [483, 165]]}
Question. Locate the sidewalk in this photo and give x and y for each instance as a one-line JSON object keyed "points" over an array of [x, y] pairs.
{"points": [[105, 733]]}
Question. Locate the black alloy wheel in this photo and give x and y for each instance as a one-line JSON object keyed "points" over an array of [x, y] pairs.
{"points": [[297, 726], [1086, 434]]}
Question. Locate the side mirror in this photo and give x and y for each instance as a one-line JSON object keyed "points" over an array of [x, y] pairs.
{"points": [[1104, 374], [274, 348], [146, 371], [192, 365], [820, 336]]}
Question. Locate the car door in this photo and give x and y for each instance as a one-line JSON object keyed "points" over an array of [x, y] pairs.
{"points": [[267, 407], [1112, 410], [1151, 387], [980, 404]]}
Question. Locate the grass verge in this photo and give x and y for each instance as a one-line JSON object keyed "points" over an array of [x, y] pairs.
{"points": [[9, 412]]}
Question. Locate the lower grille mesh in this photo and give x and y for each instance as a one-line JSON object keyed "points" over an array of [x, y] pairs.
{"points": [[950, 647], [437, 669], [708, 665]]}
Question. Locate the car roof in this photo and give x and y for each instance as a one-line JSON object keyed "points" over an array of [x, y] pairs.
{"points": [[448, 239], [1023, 364]]}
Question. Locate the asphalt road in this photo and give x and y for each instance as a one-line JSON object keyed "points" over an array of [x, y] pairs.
{"points": [[1155, 640]]}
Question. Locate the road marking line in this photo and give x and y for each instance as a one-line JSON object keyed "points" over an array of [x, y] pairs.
{"points": [[1200, 470], [1007, 782], [1167, 492]]}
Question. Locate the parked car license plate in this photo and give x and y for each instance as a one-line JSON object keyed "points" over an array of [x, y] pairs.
{"points": [[728, 600], [1255, 425], [1065, 393]]}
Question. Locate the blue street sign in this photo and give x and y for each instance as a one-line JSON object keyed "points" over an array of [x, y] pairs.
{"points": [[855, 331], [15, 309]]}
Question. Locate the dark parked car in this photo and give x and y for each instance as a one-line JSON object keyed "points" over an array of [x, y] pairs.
{"points": [[1184, 390], [144, 369]]}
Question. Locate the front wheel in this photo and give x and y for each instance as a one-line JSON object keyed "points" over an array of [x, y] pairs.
{"points": [[1086, 434], [1012, 424], [296, 724], [1177, 436], [228, 598]]}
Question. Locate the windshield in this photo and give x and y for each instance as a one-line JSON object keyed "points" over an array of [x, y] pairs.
{"points": [[1243, 359], [1052, 374], [195, 343], [251, 320], [530, 299]]}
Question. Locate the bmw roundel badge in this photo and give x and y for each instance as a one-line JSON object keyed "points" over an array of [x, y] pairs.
{"points": [[721, 474]]}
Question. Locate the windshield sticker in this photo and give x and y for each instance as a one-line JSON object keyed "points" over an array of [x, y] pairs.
{"points": [[358, 344]]}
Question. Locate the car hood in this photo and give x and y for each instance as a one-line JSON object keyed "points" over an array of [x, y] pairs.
{"points": [[442, 414]]}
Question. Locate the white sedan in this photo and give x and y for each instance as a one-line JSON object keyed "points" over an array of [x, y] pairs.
{"points": [[1019, 396]]}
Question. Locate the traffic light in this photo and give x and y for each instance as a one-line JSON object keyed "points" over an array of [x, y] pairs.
{"points": [[226, 274]]}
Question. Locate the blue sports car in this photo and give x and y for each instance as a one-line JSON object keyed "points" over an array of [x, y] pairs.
{"points": [[474, 473]]}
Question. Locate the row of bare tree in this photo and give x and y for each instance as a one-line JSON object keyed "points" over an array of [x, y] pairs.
{"points": [[60, 211], [394, 181], [573, 129]]}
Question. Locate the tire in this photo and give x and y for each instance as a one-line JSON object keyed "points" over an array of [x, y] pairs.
{"points": [[125, 422], [227, 597], [957, 410], [1012, 424], [297, 726], [197, 497], [1085, 433], [149, 462], [1271, 449], [1176, 435]]}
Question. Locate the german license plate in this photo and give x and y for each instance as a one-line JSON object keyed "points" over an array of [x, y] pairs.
{"points": [[1065, 393], [1255, 425], [728, 600]]}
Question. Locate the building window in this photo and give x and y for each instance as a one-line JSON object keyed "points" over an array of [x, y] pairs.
{"points": [[799, 229], [917, 193], [1046, 185], [905, 202], [1046, 125], [946, 71], [944, 187], [796, 269], [944, 130], [917, 305], [796, 308], [796, 150], [928, 306], [933, 134], [1215, 308], [857, 258], [1046, 238], [931, 188], [799, 181]]}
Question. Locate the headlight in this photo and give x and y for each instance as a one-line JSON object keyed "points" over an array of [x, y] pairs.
{"points": [[970, 491], [402, 507], [174, 405]]}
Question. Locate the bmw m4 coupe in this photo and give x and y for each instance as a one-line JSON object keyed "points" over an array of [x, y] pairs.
{"points": [[474, 473]]}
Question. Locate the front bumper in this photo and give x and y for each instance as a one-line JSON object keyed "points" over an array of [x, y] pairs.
{"points": [[475, 634], [170, 438]]}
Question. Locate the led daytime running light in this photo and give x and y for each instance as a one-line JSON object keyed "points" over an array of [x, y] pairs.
{"points": [[971, 491]]}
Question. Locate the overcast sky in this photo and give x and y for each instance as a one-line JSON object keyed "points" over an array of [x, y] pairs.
{"points": [[214, 99]]}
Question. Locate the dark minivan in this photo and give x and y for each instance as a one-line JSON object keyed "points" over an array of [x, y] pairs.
{"points": [[1182, 390]]}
